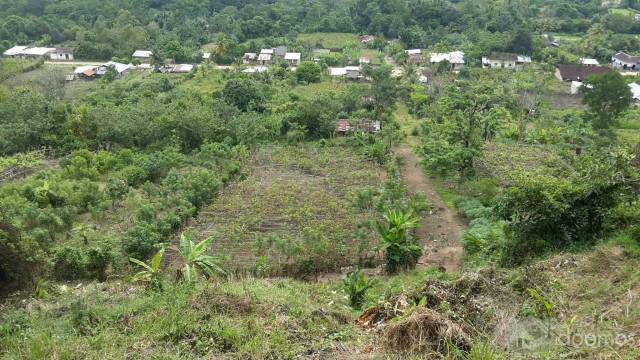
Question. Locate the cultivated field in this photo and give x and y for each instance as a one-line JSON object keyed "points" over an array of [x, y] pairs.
{"points": [[293, 210]]}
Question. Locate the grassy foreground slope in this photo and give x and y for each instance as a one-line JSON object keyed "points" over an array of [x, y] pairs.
{"points": [[592, 293]]}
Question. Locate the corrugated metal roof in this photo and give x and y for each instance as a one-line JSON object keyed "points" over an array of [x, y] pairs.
{"points": [[16, 50], [37, 51], [143, 54], [292, 56]]}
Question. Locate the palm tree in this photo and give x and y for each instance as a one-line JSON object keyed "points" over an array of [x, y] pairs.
{"points": [[195, 259], [151, 274]]}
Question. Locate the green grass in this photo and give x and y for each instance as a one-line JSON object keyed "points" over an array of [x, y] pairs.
{"points": [[248, 318], [505, 161], [592, 292], [629, 136], [625, 12], [330, 40], [374, 55]]}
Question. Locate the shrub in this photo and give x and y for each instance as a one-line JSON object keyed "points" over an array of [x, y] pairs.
{"points": [[545, 212], [140, 241], [98, 260], [116, 190], [68, 263], [133, 175], [308, 72]]}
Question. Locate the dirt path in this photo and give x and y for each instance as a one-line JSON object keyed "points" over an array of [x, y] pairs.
{"points": [[440, 231]]}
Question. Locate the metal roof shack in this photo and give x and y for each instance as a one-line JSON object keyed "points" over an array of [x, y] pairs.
{"points": [[343, 126], [293, 56], [590, 62], [337, 71], [145, 54], [183, 68]]}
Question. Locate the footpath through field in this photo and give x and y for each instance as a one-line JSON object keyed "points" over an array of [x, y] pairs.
{"points": [[441, 230]]}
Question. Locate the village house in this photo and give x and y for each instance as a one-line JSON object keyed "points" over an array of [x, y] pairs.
{"points": [[64, 54], [577, 72], [265, 57], [91, 72], [143, 56], [338, 71], [498, 60], [183, 68], [85, 72], [455, 58], [280, 51], [344, 126], [625, 61], [249, 58], [589, 62], [415, 55], [353, 72], [122, 69], [206, 56], [364, 60], [293, 58], [25, 52]]}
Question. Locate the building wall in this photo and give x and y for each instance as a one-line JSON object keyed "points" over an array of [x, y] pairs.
{"points": [[63, 57]]}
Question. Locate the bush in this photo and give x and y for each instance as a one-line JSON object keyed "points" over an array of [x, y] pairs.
{"points": [[68, 263], [308, 72], [140, 242], [98, 260], [544, 212]]}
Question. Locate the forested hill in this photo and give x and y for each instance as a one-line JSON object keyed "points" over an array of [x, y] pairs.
{"points": [[178, 28]]}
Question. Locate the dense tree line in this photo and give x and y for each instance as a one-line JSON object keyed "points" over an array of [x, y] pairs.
{"points": [[176, 29]]}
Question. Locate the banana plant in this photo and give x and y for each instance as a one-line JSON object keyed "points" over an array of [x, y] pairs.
{"points": [[150, 273], [356, 285], [196, 260]]}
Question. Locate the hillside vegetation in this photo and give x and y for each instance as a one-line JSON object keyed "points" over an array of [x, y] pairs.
{"points": [[362, 203]]}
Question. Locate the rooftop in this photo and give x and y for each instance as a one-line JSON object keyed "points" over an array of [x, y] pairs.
{"points": [[16, 50], [626, 58], [292, 56], [586, 61], [502, 56], [579, 72], [143, 54]]}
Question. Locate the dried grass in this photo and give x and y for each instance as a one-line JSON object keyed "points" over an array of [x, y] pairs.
{"points": [[425, 331]]}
